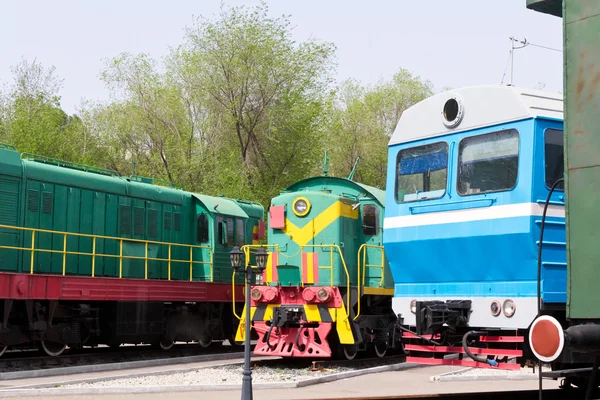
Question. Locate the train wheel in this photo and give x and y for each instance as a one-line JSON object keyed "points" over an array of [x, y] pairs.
{"points": [[205, 343], [380, 349], [53, 349], [349, 351], [165, 344]]}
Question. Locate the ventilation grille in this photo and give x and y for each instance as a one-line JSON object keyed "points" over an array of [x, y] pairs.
{"points": [[9, 202], [33, 200], [125, 212], [138, 221], [168, 217], [177, 221], [152, 223], [47, 202]]}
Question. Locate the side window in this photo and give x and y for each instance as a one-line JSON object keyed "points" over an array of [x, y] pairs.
{"points": [[488, 163], [202, 233], [554, 160], [220, 232], [421, 172], [230, 238], [239, 232], [370, 220]]}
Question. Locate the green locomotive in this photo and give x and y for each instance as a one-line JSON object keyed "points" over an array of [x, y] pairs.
{"points": [[327, 288], [91, 257]]}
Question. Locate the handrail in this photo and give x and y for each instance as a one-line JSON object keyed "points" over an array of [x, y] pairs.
{"points": [[246, 249], [331, 247], [364, 248], [94, 254], [69, 164], [7, 146]]}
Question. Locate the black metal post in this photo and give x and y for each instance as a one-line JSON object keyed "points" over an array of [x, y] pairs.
{"points": [[247, 374]]}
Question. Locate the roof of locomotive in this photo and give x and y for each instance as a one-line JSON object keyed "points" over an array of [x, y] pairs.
{"points": [[122, 185], [478, 106], [324, 181], [230, 207]]}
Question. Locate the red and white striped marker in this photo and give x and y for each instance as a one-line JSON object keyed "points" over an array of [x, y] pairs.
{"points": [[546, 338]]}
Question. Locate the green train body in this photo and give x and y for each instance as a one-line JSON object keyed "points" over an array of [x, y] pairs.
{"points": [[86, 222], [327, 287]]}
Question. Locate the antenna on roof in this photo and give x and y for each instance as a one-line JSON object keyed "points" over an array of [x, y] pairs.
{"points": [[511, 57], [325, 166], [354, 168]]}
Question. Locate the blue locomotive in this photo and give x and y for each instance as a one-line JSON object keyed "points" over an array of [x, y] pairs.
{"points": [[469, 172]]}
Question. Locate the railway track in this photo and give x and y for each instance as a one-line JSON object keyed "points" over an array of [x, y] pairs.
{"points": [[321, 364], [554, 394], [29, 361]]}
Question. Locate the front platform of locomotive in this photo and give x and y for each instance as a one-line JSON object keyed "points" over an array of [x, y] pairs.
{"points": [[469, 171], [325, 247]]}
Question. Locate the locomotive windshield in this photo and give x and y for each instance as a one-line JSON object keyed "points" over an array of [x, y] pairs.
{"points": [[488, 163], [422, 172]]}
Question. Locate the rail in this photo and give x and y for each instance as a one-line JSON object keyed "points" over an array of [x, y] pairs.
{"points": [[95, 255], [363, 250], [7, 146]]}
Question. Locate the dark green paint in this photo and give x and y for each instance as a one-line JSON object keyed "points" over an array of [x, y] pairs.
{"points": [[38, 192], [581, 19]]}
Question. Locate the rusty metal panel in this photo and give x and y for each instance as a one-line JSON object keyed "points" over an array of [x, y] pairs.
{"points": [[553, 7], [581, 19]]}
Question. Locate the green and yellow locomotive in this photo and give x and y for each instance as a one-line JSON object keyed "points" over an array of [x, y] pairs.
{"points": [[327, 289]]}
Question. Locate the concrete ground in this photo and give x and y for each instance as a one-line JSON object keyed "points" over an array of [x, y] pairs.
{"points": [[405, 382]]}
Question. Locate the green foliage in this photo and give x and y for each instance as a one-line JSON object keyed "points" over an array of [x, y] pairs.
{"points": [[239, 108], [31, 117], [364, 120]]}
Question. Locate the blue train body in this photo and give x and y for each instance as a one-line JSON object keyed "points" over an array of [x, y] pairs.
{"points": [[469, 171]]}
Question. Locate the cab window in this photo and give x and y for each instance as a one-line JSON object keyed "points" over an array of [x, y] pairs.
{"points": [[488, 163], [202, 229], [421, 172], [370, 220], [554, 157], [239, 232], [230, 238]]}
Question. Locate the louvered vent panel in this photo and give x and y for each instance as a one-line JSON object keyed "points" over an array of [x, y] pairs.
{"points": [[125, 212], [47, 203], [152, 223], [168, 217], [138, 221], [33, 200], [9, 202], [177, 221]]}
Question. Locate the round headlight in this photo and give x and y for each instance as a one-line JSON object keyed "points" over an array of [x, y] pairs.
{"points": [[509, 307], [256, 294], [323, 295], [301, 206], [495, 308], [413, 306]]}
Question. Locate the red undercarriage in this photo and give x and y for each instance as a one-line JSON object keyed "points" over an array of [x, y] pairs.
{"points": [[53, 287], [285, 342], [444, 350], [304, 338]]}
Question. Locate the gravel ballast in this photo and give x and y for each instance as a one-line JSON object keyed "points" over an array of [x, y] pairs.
{"points": [[223, 375]]}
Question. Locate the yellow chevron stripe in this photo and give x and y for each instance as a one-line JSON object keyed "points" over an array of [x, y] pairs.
{"points": [[303, 235]]}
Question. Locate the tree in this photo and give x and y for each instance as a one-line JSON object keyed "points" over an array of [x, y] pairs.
{"points": [[31, 117], [269, 94], [238, 109], [364, 120]]}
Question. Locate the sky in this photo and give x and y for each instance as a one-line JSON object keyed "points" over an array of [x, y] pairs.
{"points": [[450, 43]]}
